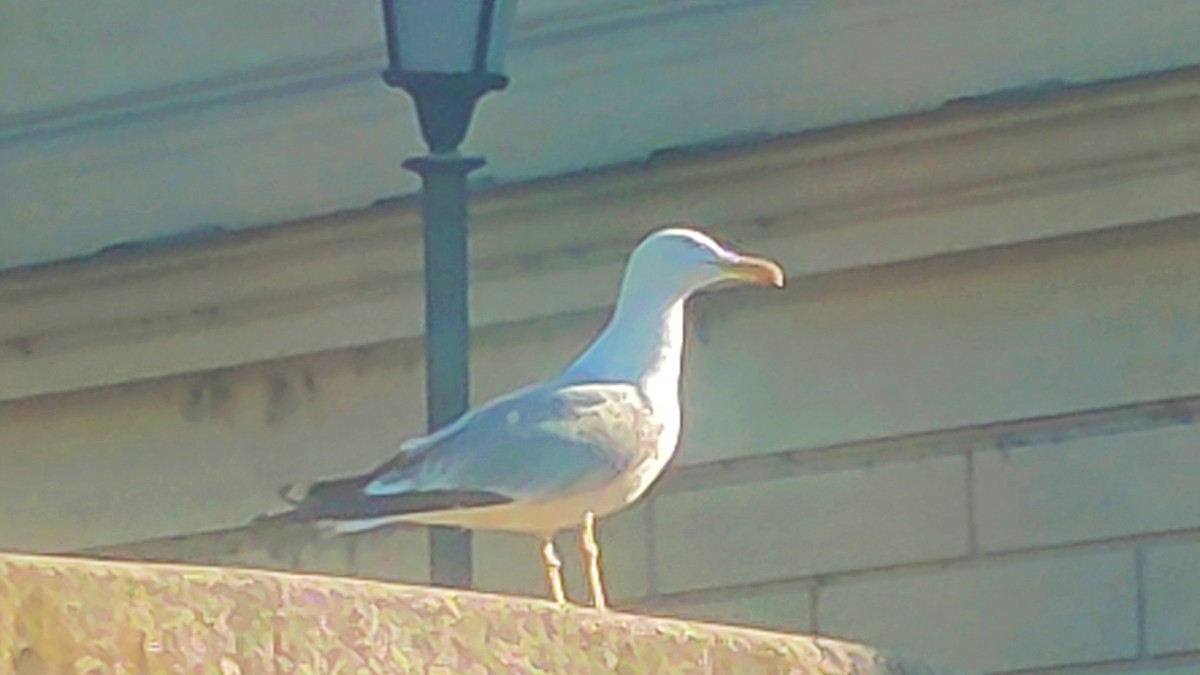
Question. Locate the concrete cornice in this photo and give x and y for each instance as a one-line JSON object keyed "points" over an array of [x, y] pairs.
{"points": [[971, 175], [272, 111]]}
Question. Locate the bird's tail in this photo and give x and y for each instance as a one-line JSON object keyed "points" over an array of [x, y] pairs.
{"points": [[287, 494], [282, 534]]}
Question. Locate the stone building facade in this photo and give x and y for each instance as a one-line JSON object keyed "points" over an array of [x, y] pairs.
{"points": [[966, 430]]}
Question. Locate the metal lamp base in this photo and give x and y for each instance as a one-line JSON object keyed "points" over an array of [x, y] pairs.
{"points": [[445, 103]]}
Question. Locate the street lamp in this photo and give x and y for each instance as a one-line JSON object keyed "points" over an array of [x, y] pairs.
{"points": [[446, 54]]}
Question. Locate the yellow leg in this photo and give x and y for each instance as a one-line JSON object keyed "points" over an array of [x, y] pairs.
{"points": [[553, 570], [591, 554]]}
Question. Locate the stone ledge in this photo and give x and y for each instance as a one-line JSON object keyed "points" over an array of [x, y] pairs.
{"points": [[68, 615]]}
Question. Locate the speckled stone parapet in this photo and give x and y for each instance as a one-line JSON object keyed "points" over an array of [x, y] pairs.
{"points": [[71, 615]]}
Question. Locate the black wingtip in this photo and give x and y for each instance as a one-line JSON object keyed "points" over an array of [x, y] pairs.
{"points": [[286, 496]]}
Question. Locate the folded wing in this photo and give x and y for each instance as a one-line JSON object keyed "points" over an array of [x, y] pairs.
{"points": [[537, 443]]}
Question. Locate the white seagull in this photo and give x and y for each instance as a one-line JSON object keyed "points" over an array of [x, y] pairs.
{"points": [[565, 451]]}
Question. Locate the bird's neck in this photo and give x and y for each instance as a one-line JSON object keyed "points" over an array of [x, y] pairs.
{"points": [[642, 343]]}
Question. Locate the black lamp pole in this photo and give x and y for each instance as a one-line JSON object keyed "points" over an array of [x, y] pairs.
{"points": [[447, 336], [445, 103]]}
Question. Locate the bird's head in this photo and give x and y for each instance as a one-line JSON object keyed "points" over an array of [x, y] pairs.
{"points": [[688, 260]]}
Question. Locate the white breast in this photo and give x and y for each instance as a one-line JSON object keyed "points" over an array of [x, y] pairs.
{"points": [[661, 386]]}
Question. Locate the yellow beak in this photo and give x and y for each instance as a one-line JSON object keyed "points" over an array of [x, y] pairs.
{"points": [[755, 270]]}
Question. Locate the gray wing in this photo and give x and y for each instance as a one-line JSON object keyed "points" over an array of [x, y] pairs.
{"points": [[536, 443], [539, 442]]}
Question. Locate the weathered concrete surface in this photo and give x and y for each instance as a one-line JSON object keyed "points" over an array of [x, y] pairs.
{"points": [[69, 615]]}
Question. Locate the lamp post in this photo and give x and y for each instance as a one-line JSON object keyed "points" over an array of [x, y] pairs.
{"points": [[446, 54]]}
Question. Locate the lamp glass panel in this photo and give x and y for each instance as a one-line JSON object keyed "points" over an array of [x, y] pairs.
{"points": [[502, 21], [437, 36]]}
